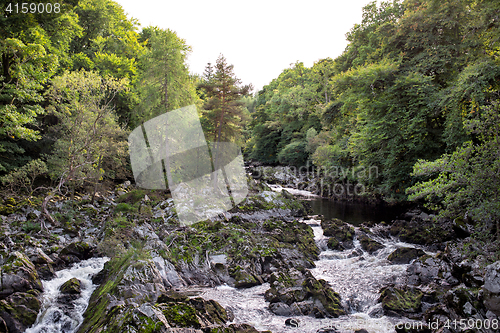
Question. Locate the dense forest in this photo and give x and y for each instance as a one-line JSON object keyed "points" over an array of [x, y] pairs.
{"points": [[415, 95]]}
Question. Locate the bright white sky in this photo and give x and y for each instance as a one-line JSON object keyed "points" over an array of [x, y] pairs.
{"points": [[260, 38]]}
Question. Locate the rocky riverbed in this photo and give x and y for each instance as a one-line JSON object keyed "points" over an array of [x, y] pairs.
{"points": [[265, 242]]}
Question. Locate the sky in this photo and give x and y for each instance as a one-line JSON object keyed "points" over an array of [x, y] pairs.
{"points": [[260, 38]]}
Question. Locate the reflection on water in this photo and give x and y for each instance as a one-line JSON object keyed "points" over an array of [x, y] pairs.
{"points": [[354, 213]]}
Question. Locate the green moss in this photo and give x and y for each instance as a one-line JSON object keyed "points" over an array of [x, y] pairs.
{"points": [[401, 300], [125, 207], [180, 315]]}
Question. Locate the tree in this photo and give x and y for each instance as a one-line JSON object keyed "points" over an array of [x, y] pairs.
{"points": [[32, 48], [164, 83], [88, 136], [466, 182], [224, 107]]}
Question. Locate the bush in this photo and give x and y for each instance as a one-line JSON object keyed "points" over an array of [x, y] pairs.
{"points": [[294, 154]]}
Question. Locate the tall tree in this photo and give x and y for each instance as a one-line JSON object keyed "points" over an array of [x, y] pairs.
{"points": [[224, 106], [164, 83]]}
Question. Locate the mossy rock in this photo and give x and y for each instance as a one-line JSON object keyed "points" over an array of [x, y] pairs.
{"points": [[400, 300], [21, 308], [243, 279], [72, 286], [180, 314], [132, 197], [210, 310], [81, 250], [369, 245], [341, 234], [404, 255]]}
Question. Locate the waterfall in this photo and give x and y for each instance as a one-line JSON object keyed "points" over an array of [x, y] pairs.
{"points": [[58, 315]]}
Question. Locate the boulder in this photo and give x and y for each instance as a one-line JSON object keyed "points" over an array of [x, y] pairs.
{"points": [[72, 286], [19, 311], [369, 245], [491, 288], [400, 300], [80, 250], [303, 294], [341, 234], [18, 275], [404, 255], [431, 269]]}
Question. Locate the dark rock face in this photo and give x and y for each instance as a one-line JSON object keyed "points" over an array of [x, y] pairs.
{"points": [[428, 269], [297, 292], [341, 234], [76, 251], [404, 255], [423, 230], [491, 288]]}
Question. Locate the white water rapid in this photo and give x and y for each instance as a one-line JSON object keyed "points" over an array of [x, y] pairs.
{"points": [[355, 274], [56, 317]]}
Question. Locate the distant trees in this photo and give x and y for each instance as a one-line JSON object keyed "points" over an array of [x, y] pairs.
{"points": [[412, 77]]}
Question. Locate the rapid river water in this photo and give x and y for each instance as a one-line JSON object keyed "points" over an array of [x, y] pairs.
{"points": [[355, 274]]}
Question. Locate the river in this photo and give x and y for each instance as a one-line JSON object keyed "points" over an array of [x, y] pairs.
{"points": [[355, 274]]}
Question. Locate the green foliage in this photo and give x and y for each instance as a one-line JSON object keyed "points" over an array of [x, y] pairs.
{"points": [[89, 138], [24, 177], [164, 83], [294, 154], [467, 180], [223, 113]]}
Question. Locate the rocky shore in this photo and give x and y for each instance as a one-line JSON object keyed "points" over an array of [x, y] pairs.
{"points": [[262, 240]]}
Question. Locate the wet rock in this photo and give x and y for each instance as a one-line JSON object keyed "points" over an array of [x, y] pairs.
{"points": [[423, 231], [404, 255], [299, 289], [428, 269], [18, 275], [130, 318], [491, 288], [400, 300], [341, 234], [128, 279], [293, 322], [281, 309], [72, 286], [75, 252], [19, 311], [3, 326], [243, 279], [369, 245]]}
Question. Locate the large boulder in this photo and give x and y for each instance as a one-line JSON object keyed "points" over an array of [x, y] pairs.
{"points": [[491, 288], [18, 275], [431, 269], [400, 301], [76, 251], [369, 245], [296, 292]]}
